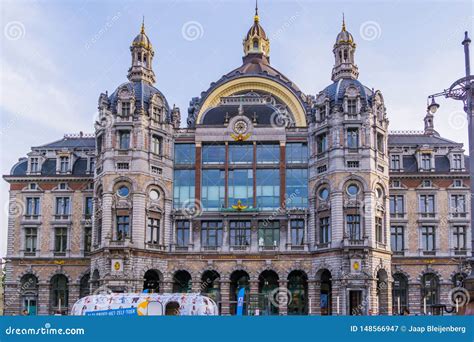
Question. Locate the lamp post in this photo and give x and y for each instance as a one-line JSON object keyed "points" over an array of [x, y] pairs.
{"points": [[462, 89]]}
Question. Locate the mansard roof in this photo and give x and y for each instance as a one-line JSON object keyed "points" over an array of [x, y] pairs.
{"points": [[336, 91], [414, 139], [70, 142]]}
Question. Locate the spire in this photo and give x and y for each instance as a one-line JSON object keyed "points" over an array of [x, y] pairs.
{"points": [[429, 119], [256, 41], [344, 50], [256, 17], [142, 58]]}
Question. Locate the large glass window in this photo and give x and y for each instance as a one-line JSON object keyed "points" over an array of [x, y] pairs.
{"points": [[458, 205], [64, 164], [123, 227], [429, 292], [87, 239], [268, 188], [184, 154], [353, 227], [426, 161], [296, 188], [240, 154], [182, 233], [155, 145], [395, 162], [379, 236], [296, 153], [457, 161], [241, 187], [268, 154], [213, 189], [397, 238], [213, 154], [240, 233], [297, 232], [211, 233], [322, 142], [88, 205], [184, 185], [59, 294], [268, 233]]}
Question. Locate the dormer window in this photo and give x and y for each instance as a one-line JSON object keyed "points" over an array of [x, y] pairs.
{"points": [[427, 183], [33, 186], [395, 162], [62, 186], [426, 161], [457, 161], [125, 108], [255, 44], [352, 106], [91, 165], [64, 164], [457, 183], [155, 114], [34, 164]]}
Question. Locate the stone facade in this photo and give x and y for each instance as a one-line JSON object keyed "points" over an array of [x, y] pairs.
{"points": [[289, 195]]}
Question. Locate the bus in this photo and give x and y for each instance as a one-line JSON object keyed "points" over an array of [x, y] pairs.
{"points": [[145, 304]]}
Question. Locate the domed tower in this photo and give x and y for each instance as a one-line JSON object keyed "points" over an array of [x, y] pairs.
{"points": [[133, 179], [256, 41], [349, 183]]}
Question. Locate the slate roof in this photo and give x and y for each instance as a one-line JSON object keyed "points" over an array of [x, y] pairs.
{"points": [[70, 143], [336, 91], [418, 139], [143, 91]]}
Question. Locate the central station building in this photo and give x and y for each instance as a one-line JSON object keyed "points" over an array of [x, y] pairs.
{"points": [[304, 200]]}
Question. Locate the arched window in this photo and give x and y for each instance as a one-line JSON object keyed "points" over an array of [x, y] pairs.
{"points": [[59, 294], [458, 279], [95, 281], [298, 288], [429, 292], [84, 288], [238, 280], [326, 293], [29, 294], [152, 281], [210, 285], [399, 294], [181, 282], [255, 43], [267, 283]]}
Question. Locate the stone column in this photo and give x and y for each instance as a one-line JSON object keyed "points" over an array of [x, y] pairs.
{"points": [[43, 298], [196, 286], [225, 235], [316, 309], [338, 292], [283, 307], [167, 286], [312, 301], [73, 296], [253, 298], [414, 299], [225, 297]]}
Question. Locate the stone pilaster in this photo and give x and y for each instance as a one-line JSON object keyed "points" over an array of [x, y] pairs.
{"points": [[283, 306], [225, 298]]}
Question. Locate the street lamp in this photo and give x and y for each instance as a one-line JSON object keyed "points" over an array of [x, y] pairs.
{"points": [[462, 89]]}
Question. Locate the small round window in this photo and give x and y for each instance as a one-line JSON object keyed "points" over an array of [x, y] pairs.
{"points": [[324, 194], [353, 189], [123, 191], [154, 195]]}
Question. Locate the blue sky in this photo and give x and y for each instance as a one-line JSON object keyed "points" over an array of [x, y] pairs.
{"points": [[57, 56]]}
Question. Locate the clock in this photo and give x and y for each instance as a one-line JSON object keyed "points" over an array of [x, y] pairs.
{"points": [[240, 127]]}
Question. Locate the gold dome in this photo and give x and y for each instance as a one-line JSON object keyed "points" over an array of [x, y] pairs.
{"points": [[142, 40]]}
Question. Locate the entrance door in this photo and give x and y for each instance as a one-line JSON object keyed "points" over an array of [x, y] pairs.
{"points": [[355, 302]]}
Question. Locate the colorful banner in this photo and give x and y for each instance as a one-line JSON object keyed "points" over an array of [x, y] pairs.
{"points": [[240, 301]]}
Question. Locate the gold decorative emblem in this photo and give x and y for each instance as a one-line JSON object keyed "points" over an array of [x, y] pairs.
{"points": [[59, 262], [240, 137], [356, 265], [117, 266], [239, 206]]}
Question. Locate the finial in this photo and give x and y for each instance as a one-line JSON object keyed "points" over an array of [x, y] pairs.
{"points": [[343, 22], [143, 25], [256, 17]]}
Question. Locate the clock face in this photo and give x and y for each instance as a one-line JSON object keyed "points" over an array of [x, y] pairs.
{"points": [[240, 127]]}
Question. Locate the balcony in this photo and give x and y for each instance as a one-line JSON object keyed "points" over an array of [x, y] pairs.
{"points": [[396, 215], [297, 248], [458, 215], [460, 251], [267, 248], [62, 217], [155, 246], [211, 248], [355, 242], [427, 215]]}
